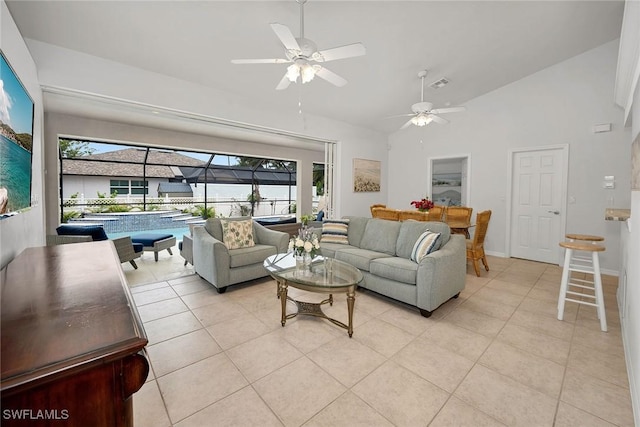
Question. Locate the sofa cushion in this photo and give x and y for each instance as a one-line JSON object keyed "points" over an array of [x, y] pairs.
{"points": [[381, 235], [335, 231], [214, 227], [252, 255], [329, 249], [395, 268], [426, 243], [95, 231], [149, 239], [410, 230], [357, 224], [359, 258], [237, 234], [443, 229]]}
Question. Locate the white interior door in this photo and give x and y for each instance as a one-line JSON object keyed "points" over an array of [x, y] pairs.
{"points": [[537, 209]]}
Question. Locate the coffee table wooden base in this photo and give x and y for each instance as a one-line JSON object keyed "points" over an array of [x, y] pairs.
{"points": [[315, 309]]}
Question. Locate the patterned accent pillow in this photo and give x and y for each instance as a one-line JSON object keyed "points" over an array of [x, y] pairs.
{"points": [[237, 234], [335, 231], [426, 243]]}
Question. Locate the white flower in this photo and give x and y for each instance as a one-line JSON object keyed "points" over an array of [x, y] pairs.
{"points": [[299, 242], [308, 246], [316, 244], [290, 244]]}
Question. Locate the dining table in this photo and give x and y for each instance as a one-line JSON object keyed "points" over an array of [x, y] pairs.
{"points": [[460, 227]]}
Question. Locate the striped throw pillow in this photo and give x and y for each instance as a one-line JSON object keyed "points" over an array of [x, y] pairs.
{"points": [[335, 231], [426, 243]]}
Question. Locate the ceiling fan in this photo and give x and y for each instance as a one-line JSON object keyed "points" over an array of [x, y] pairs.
{"points": [[305, 56], [424, 113]]}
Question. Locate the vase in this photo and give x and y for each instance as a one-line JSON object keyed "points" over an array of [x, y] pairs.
{"points": [[299, 262], [307, 262]]}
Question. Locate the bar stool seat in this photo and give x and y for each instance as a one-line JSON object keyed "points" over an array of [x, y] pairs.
{"points": [[585, 237], [578, 264]]}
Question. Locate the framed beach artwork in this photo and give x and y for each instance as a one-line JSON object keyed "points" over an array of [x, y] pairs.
{"points": [[366, 175], [16, 142]]}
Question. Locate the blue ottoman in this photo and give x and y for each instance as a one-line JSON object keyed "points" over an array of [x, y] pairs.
{"points": [[155, 242]]}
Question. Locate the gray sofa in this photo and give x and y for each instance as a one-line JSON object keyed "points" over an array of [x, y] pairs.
{"points": [[381, 249], [223, 267]]}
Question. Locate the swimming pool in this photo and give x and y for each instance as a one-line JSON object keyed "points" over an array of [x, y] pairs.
{"points": [[177, 232]]}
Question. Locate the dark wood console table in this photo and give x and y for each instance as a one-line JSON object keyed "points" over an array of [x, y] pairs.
{"points": [[72, 340]]}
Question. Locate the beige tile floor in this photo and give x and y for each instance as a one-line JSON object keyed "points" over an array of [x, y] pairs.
{"points": [[495, 356]]}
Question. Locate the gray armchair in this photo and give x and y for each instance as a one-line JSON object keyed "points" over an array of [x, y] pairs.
{"points": [[223, 267]]}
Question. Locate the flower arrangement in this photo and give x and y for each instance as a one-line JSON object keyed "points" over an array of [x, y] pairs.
{"points": [[423, 205], [305, 243]]}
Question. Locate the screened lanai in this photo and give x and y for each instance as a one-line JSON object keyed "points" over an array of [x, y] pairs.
{"points": [[102, 179]]}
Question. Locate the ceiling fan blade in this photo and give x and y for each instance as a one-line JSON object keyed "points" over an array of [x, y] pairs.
{"points": [[284, 83], [399, 115], [286, 36], [406, 125], [438, 119], [348, 51], [330, 76], [260, 61], [448, 110]]}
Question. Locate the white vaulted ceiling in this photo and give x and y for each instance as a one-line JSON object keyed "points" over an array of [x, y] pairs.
{"points": [[479, 45]]}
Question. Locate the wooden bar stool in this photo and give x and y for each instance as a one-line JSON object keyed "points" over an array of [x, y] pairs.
{"points": [[573, 264], [581, 259]]}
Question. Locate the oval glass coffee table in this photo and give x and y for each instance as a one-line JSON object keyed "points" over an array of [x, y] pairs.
{"points": [[324, 275]]}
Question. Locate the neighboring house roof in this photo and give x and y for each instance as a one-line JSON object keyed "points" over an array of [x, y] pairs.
{"points": [[128, 163], [174, 187]]}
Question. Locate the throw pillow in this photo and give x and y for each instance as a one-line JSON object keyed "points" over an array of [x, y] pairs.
{"points": [[237, 234], [426, 243], [335, 231]]}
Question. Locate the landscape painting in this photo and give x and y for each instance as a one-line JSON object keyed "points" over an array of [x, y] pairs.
{"points": [[366, 175], [447, 189], [16, 142]]}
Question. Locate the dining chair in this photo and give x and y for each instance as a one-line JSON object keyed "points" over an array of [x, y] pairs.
{"points": [[459, 219], [376, 205], [386, 213], [417, 215], [475, 247], [436, 213]]}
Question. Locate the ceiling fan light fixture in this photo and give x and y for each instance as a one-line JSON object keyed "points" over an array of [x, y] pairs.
{"points": [[303, 70], [293, 72], [307, 72], [421, 120]]}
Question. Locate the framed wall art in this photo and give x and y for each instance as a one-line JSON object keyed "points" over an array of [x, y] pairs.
{"points": [[366, 175]]}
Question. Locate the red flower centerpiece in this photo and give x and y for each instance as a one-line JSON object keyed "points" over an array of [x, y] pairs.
{"points": [[423, 205]]}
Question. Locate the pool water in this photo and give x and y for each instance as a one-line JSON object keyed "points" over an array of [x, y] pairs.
{"points": [[176, 232]]}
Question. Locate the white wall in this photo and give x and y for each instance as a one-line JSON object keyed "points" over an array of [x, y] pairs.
{"points": [[96, 75], [26, 229], [631, 323], [89, 186], [558, 105]]}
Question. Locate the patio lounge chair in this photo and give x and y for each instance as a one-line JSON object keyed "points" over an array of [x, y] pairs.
{"points": [[127, 251]]}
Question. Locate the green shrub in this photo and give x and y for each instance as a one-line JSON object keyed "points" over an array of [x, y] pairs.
{"points": [[200, 210], [66, 216]]}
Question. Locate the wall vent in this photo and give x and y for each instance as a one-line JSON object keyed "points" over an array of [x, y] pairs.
{"points": [[439, 83]]}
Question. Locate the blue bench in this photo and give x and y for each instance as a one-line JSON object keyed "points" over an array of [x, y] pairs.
{"points": [[155, 242]]}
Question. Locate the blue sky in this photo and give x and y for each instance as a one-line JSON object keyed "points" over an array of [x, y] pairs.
{"points": [[16, 108]]}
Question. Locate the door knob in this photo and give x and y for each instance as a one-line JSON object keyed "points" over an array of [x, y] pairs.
{"points": [[554, 212]]}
